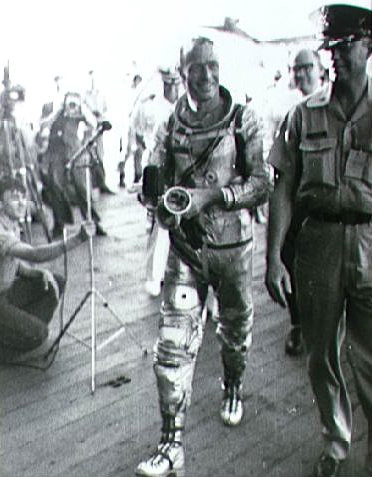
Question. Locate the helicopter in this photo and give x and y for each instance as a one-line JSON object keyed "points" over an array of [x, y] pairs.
{"points": [[230, 25]]}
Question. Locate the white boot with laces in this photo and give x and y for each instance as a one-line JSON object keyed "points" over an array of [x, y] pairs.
{"points": [[169, 458], [232, 405]]}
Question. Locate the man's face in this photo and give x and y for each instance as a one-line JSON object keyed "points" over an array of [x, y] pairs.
{"points": [[14, 203], [202, 74], [306, 72], [350, 59]]}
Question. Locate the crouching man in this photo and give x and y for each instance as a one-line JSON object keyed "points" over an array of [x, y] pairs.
{"points": [[28, 296]]}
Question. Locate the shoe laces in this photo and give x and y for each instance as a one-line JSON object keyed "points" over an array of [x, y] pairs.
{"points": [[232, 391], [327, 465], [232, 396], [162, 453]]}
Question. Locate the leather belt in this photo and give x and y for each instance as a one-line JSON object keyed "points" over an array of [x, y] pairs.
{"points": [[345, 218]]}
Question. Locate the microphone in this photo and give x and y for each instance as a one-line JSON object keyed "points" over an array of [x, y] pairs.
{"points": [[101, 128], [104, 126]]}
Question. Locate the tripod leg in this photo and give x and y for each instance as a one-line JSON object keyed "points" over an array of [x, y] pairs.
{"points": [[31, 181], [68, 324], [88, 181], [123, 327]]}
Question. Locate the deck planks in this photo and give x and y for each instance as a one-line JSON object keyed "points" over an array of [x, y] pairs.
{"points": [[52, 426]]}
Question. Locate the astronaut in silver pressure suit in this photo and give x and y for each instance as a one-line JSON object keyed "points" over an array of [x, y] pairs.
{"points": [[213, 149]]}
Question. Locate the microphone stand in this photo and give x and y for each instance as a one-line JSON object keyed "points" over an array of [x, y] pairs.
{"points": [[92, 292]]}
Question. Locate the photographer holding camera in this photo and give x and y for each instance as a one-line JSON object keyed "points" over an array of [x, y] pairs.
{"points": [[65, 188]]}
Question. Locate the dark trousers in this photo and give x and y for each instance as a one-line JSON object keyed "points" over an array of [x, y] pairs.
{"points": [[334, 289], [288, 255], [26, 309]]}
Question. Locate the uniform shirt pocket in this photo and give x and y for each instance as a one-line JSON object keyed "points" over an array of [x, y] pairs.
{"points": [[318, 161]]}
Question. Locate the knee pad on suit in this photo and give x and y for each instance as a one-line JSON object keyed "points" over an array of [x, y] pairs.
{"points": [[180, 328]]}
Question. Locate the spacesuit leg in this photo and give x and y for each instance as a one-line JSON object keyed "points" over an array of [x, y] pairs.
{"points": [[234, 331], [175, 353]]}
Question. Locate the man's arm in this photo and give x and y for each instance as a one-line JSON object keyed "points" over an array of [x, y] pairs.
{"points": [[284, 159], [46, 252], [252, 189], [280, 215]]}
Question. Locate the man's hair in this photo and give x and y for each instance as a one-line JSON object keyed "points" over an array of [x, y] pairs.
{"points": [[315, 54], [187, 50], [11, 183]]}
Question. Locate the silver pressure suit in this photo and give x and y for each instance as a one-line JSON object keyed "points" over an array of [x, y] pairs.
{"points": [[224, 259]]}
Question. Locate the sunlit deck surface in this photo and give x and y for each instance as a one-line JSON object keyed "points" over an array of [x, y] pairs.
{"points": [[51, 425]]}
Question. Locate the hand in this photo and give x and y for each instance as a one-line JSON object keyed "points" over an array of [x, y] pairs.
{"points": [[49, 281], [166, 219], [87, 229], [200, 200], [278, 282]]}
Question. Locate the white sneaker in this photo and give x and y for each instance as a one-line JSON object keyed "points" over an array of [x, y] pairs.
{"points": [[153, 288], [232, 406], [168, 460]]}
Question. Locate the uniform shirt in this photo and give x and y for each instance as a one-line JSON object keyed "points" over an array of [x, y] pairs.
{"points": [[9, 237], [329, 154]]}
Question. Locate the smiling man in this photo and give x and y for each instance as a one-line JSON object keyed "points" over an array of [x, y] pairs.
{"points": [[213, 149], [325, 168]]}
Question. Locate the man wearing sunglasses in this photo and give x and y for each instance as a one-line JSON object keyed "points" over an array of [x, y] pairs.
{"points": [[325, 167]]}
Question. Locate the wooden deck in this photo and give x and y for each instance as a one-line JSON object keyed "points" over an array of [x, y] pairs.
{"points": [[51, 425]]}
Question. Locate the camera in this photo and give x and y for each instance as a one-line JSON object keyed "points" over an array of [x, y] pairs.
{"points": [[10, 96]]}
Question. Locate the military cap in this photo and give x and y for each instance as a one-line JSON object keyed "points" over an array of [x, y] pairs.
{"points": [[340, 23]]}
